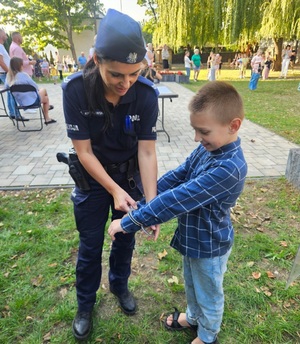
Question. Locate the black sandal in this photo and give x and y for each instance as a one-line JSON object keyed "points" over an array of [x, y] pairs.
{"points": [[51, 121], [175, 326]]}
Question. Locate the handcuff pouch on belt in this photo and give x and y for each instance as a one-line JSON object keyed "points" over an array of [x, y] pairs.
{"points": [[76, 170], [130, 167]]}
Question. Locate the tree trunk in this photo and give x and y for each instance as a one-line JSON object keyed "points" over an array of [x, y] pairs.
{"points": [[277, 54], [71, 42], [72, 47]]}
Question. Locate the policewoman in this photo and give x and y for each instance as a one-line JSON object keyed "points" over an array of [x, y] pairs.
{"points": [[110, 113]]}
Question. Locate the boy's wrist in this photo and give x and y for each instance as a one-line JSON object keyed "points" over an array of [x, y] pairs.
{"points": [[129, 224]]}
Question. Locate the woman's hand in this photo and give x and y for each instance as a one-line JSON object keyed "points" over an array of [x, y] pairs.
{"points": [[123, 201], [115, 227]]}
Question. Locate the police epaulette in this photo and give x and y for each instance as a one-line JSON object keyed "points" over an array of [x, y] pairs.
{"points": [[68, 78], [148, 82]]}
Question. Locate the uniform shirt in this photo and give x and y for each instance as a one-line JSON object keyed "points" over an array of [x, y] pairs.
{"points": [[200, 192], [134, 118]]}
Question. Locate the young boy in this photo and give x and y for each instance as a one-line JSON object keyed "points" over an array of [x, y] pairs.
{"points": [[200, 193]]}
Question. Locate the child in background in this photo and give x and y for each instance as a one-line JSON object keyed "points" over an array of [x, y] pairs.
{"points": [[243, 63], [45, 68], [53, 74], [200, 193], [187, 63], [267, 67], [150, 73]]}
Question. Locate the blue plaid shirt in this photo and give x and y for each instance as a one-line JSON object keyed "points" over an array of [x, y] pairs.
{"points": [[200, 193]]}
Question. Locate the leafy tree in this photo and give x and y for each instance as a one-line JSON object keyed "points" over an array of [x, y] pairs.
{"points": [[281, 21], [148, 26], [151, 6], [227, 22], [242, 21], [50, 21]]}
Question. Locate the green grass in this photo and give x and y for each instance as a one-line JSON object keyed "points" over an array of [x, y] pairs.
{"points": [[38, 245]]}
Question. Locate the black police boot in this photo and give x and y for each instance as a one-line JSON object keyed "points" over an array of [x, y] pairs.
{"points": [[82, 325], [126, 301]]}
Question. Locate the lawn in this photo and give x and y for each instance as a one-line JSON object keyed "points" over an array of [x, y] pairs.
{"points": [[38, 248], [38, 244]]}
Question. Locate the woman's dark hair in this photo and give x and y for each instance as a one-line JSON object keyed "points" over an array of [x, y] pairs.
{"points": [[94, 89]]}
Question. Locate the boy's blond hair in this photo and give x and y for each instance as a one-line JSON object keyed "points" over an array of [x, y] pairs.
{"points": [[221, 99]]}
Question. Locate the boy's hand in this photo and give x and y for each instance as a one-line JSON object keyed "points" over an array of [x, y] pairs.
{"points": [[115, 227], [155, 231]]}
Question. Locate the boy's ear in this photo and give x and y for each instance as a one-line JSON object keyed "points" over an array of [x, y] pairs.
{"points": [[235, 125]]}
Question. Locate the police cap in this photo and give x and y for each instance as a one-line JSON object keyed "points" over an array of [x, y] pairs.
{"points": [[120, 38]]}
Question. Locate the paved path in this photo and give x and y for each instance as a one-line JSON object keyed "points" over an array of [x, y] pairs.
{"points": [[29, 159]]}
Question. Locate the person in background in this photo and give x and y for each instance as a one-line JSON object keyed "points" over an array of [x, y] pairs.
{"points": [[4, 66], [92, 49], [187, 63], [82, 60], [58, 64], [53, 73], [256, 65], [150, 73], [74, 66], [110, 113], [267, 66], [15, 50], [37, 69], [56, 58], [65, 64], [60, 67], [149, 55], [196, 61], [286, 56], [70, 63], [293, 59], [45, 68], [212, 66], [16, 76], [218, 65], [165, 57], [200, 193], [243, 63]]}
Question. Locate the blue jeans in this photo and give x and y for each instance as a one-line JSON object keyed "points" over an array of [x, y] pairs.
{"points": [[10, 101], [188, 72], [204, 294]]}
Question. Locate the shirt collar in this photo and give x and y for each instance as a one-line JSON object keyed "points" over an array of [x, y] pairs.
{"points": [[130, 96], [227, 148]]}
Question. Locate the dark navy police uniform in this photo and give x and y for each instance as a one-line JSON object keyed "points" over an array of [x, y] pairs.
{"points": [[134, 118]]}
